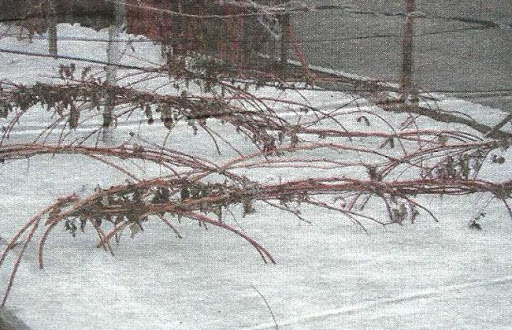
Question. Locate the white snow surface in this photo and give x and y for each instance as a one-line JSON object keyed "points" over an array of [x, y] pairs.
{"points": [[329, 274]]}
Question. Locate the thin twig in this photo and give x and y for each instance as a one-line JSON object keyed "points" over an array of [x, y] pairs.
{"points": [[268, 306]]}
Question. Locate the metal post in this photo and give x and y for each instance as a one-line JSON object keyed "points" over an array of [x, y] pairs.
{"points": [[284, 21], [52, 28], [177, 28], [113, 58], [407, 82]]}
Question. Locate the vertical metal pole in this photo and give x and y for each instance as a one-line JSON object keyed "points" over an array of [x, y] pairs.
{"points": [[284, 21], [243, 35], [407, 82], [52, 28], [178, 42], [113, 58]]}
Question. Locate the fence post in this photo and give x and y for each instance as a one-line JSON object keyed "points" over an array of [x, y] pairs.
{"points": [[407, 82], [284, 20], [113, 58], [52, 28]]}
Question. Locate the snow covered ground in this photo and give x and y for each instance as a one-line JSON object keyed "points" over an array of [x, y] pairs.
{"points": [[329, 274]]}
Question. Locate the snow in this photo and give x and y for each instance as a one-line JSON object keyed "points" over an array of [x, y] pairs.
{"points": [[329, 274]]}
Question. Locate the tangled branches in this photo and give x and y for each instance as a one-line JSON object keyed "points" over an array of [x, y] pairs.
{"points": [[189, 195], [81, 103], [351, 159]]}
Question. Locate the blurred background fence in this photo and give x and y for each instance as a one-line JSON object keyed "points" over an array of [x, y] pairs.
{"points": [[459, 47]]}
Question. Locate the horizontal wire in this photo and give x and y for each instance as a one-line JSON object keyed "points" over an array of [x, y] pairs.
{"points": [[79, 59], [503, 92], [277, 10], [302, 41]]}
